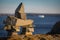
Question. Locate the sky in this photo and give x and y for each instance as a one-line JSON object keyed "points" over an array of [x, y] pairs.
{"points": [[31, 6]]}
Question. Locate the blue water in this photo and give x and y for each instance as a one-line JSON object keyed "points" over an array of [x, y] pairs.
{"points": [[42, 25]]}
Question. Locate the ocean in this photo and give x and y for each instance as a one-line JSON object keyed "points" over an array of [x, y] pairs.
{"points": [[43, 23]]}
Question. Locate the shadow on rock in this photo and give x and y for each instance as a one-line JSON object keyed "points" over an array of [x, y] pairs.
{"points": [[55, 29]]}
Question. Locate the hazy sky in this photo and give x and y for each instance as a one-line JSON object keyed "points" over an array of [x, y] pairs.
{"points": [[31, 6]]}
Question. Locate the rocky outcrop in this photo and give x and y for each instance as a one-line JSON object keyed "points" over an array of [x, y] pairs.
{"points": [[33, 37], [55, 29]]}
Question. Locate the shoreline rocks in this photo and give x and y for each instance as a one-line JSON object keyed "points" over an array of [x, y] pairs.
{"points": [[34, 37]]}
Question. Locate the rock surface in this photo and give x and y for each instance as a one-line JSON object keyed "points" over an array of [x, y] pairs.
{"points": [[33, 37], [55, 29]]}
